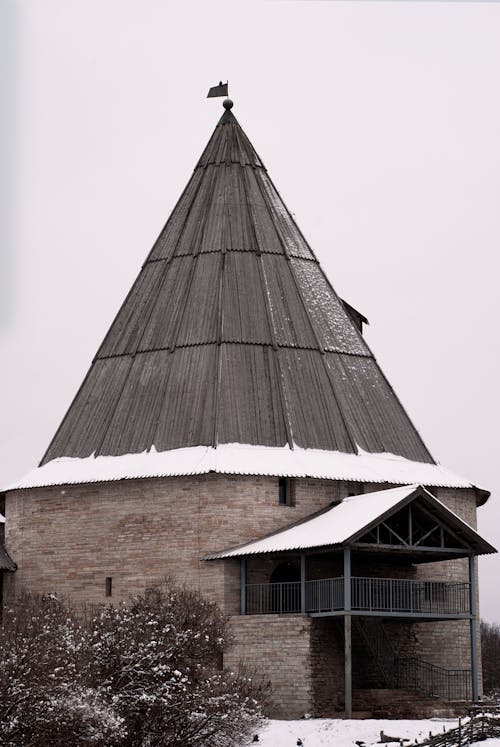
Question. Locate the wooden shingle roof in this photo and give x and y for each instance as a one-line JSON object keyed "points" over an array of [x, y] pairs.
{"points": [[233, 334]]}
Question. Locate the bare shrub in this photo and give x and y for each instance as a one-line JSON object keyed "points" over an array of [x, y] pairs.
{"points": [[42, 699], [159, 657], [143, 674]]}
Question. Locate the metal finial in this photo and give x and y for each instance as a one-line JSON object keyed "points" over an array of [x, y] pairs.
{"points": [[227, 104]]}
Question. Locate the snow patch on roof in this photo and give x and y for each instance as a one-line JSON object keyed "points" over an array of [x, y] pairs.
{"points": [[242, 459]]}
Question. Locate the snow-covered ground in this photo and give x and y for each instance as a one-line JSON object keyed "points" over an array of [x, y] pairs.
{"points": [[345, 733]]}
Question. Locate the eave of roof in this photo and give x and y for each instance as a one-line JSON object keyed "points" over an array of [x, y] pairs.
{"points": [[345, 522], [239, 459]]}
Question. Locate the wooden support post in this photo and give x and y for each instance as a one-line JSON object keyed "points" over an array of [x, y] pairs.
{"points": [[243, 587], [473, 629], [302, 582], [347, 633]]}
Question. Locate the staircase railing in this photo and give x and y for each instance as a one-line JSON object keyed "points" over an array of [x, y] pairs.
{"points": [[380, 648], [410, 673], [449, 684]]}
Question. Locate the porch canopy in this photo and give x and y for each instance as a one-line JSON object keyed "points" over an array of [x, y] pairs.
{"points": [[391, 529], [408, 520]]}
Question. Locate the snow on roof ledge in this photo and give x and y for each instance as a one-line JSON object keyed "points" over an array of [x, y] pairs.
{"points": [[242, 459]]}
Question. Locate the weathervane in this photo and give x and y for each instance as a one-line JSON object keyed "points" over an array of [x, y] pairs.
{"points": [[221, 90]]}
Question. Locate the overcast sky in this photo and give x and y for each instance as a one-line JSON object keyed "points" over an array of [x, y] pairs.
{"points": [[378, 122]]}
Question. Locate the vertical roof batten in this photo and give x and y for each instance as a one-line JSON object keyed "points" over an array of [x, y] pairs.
{"points": [[232, 333]]}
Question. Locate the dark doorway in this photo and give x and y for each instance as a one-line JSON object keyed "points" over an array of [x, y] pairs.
{"points": [[284, 589]]}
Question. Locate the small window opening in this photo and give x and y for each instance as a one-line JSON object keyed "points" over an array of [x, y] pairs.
{"points": [[286, 491], [109, 586]]}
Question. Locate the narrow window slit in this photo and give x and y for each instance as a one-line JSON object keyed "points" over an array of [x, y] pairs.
{"points": [[286, 491]]}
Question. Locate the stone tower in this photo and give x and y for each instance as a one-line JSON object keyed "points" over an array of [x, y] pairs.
{"points": [[235, 431]]}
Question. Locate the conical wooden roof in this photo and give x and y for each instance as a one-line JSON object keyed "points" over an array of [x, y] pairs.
{"points": [[233, 334]]}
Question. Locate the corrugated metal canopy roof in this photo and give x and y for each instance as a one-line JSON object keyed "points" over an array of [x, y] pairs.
{"points": [[345, 522], [233, 334]]}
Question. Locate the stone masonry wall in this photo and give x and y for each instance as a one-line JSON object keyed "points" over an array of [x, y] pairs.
{"points": [[327, 666], [278, 646], [138, 531]]}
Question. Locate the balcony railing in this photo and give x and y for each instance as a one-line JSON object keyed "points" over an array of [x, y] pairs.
{"points": [[402, 595], [377, 595], [273, 598]]}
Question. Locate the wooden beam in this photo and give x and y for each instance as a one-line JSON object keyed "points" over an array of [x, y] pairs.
{"points": [[243, 587], [347, 634], [403, 542], [302, 582], [448, 529], [473, 629], [428, 534], [464, 553]]}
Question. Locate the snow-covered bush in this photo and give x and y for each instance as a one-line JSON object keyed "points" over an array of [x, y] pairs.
{"points": [[159, 658], [143, 674], [42, 699]]}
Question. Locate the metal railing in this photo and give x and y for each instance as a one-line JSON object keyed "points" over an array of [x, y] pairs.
{"points": [[449, 684], [379, 647], [396, 596], [405, 595], [325, 595], [263, 599], [409, 673]]}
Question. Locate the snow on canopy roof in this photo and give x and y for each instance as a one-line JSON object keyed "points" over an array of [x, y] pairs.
{"points": [[346, 521], [239, 459]]}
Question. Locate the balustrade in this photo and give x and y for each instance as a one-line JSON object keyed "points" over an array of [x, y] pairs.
{"points": [[377, 595]]}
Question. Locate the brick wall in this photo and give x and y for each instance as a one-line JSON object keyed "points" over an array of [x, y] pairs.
{"points": [[327, 666], [279, 646], [70, 539]]}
